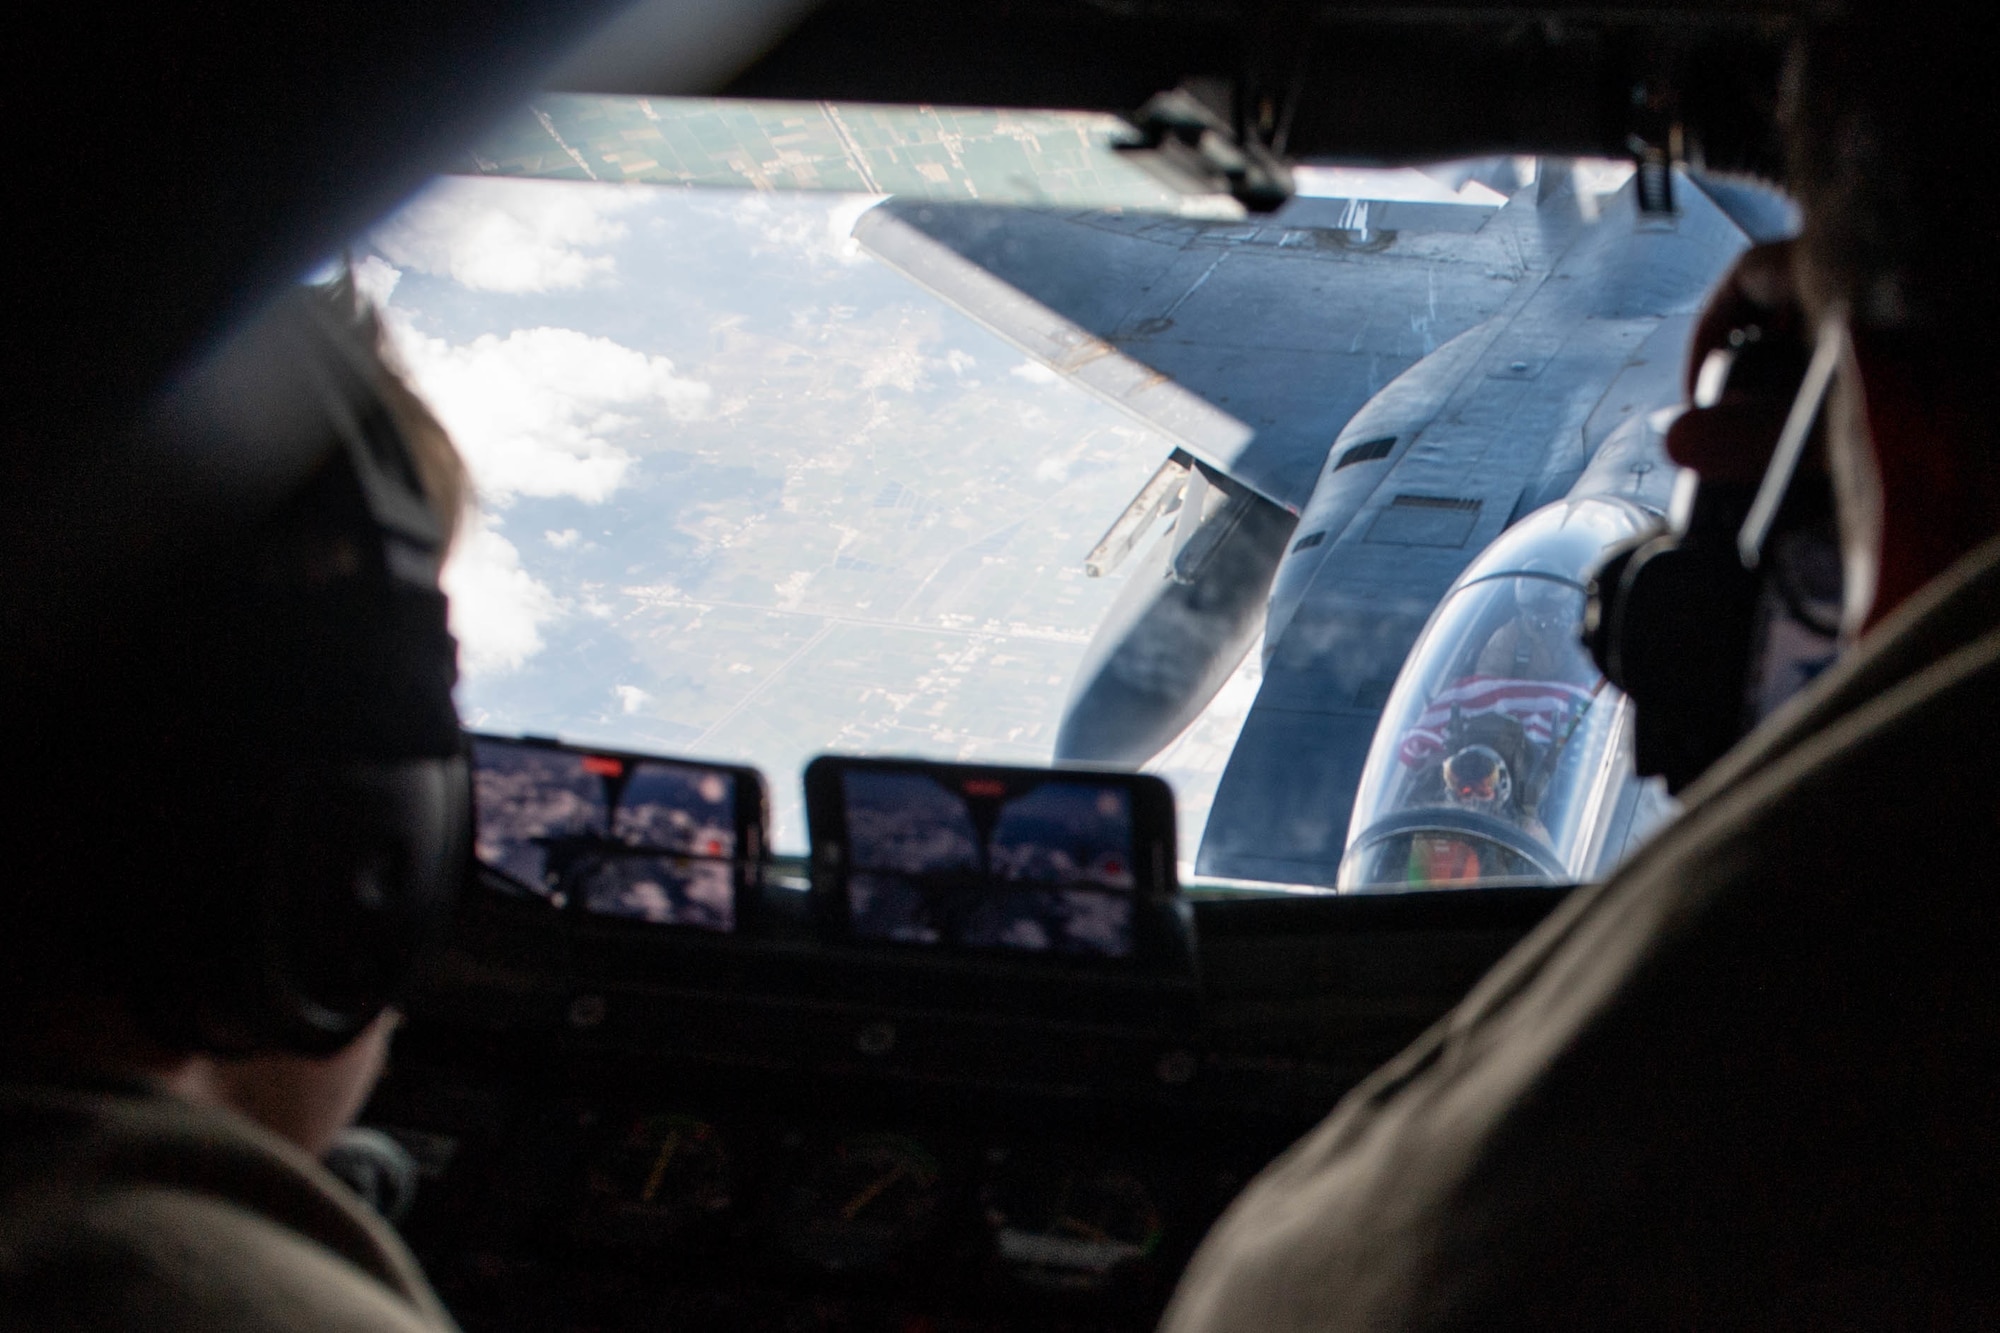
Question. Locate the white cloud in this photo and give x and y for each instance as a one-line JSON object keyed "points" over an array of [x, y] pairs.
{"points": [[821, 232], [899, 364], [960, 361], [840, 220], [563, 540], [498, 609], [631, 698], [534, 412], [377, 278], [1034, 372], [508, 235]]}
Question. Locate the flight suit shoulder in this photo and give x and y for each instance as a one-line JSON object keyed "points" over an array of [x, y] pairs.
{"points": [[173, 1259]]}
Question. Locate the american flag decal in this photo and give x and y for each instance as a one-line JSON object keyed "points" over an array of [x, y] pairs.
{"points": [[1542, 707]]}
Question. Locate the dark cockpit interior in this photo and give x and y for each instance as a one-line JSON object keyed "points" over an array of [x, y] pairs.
{"points": [[771, 1092], [619, 1125]]}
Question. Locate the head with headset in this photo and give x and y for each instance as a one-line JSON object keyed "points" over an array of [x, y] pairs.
{"points": [[245, 796], [1476, 778], [1549, 605], [1845, 445]]}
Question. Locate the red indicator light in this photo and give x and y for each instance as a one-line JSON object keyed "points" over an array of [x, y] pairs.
{"points": [[985, 787], [714, 847], [604, 768]]}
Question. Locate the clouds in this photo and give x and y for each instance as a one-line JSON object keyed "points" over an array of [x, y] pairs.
{"points": [[820, 232], [539, 411], [376, 279], [840, 220], [498, 609], [793, 360], [895, 363], [508, 236]]}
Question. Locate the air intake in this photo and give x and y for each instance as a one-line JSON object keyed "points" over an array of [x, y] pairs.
{"points": [[1366, 452], [1425, 520]]}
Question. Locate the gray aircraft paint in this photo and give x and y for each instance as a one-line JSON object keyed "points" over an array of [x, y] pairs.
{"points": [[1572, 360], [1499, 360], [1287, 330], [1174, 635], [1252, 344]]}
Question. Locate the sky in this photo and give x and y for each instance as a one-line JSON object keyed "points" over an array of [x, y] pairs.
{"points": [[745, 493]]}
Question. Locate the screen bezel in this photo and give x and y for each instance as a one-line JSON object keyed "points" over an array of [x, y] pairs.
{"points": [[751, 817], [1155, 888]]}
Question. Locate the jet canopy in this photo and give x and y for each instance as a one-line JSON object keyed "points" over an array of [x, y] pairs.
{"points": [[1503, 756]]}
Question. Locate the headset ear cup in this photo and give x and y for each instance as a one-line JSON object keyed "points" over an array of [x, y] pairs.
{"points": [[1683, 652], [361, 869], [1604, 607]]}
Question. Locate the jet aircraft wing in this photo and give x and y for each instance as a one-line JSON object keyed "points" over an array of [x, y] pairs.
{"points": [[1251, 342]]}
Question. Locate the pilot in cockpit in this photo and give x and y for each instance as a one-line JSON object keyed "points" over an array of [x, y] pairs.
{"points": [[1540, 642], [1534, 666], [1509, 692], [1477, 778]]}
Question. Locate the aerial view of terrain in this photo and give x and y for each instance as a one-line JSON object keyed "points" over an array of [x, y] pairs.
{"points": [[746, 494]]}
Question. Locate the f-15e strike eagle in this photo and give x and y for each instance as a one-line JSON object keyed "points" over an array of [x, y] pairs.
{"points": [[1389, 414]]}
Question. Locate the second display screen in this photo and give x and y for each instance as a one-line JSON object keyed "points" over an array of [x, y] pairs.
{"points": [[982, 863]]}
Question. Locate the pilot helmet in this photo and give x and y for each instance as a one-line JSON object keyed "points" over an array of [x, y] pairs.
{"points": [[1476, 778], [1549, 604]]}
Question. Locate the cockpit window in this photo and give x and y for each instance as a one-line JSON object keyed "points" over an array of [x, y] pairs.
{"points": [[1511, 727], [824, 460], [745, 492], [1502, 751]]}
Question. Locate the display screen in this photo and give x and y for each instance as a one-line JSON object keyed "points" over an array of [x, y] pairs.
{"points": [[647, 839], [936, 857]]}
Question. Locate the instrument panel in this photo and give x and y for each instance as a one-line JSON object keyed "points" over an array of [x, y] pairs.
{"points": [[587, 1217], [699, 1132]]}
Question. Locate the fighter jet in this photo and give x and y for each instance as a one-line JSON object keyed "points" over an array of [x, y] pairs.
{"points": [[1367, 393]]}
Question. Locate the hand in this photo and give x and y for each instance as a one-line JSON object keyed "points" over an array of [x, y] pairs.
{"points": [[1730, 441]]}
